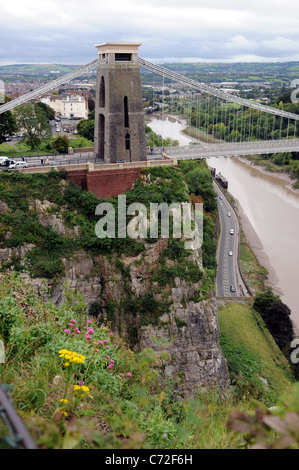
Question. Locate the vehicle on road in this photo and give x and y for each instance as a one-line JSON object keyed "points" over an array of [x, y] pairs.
{"points": [[230, 253], [220, 197], [18, 165], [228, 214], [4, 161], [232, 289], [231, 231]]}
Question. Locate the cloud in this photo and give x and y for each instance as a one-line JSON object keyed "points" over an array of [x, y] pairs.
{"points": [[66, 32]]}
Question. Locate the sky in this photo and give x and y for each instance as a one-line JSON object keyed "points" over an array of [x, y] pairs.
{"points": [[66, 31]]}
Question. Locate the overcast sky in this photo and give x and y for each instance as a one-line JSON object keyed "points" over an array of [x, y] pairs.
{"points": [[65, 31]]}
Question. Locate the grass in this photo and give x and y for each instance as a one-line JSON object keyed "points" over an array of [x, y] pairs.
{"points": [[253, 273], [251, 353]]}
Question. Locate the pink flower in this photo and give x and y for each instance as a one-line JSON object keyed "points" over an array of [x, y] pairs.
{"points": [[90, 330], [112, 361], [106, 341], [129, 374], [18, 297], [111, 334], [108, 357], [110, 366], [88, 322], [122, 375], [77, 331], [67, 331], [87, 336], [81, 383], [59, 324], [49, 287], [107, 347], [73, 321], [100, 342]]}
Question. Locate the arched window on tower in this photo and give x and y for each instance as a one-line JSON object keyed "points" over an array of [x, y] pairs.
{"points": [[127, 141], [102, 93], [126, 111]]}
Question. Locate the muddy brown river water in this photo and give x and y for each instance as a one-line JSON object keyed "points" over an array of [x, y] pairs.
{"points": [[272, 209]]}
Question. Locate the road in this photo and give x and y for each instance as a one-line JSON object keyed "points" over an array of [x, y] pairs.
{"points": [[228, 273]]}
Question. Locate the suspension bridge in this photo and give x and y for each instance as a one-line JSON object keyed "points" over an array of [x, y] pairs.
{"points": [[231, 125]]}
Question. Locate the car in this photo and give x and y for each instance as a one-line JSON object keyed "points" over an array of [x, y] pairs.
{"points": [[57, 129], [220, 197], [18, 165], [231, 231], [228, 214], [232, 289], [230, 253]]}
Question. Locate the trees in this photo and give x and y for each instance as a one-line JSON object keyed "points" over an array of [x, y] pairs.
{"points": [[8, 124], [60, 144], [276, 316], [34, 120], [86, 129], [264, 300], [278, 322]]}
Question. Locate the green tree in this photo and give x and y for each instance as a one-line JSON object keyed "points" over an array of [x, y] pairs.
{"points": [[8, 124], [264, 300], [60, 144], [86, 129], [34, 121], [279, 323]]}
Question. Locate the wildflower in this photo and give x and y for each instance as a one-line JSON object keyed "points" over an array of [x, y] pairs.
{"points": [[107, 347], [77, 331], [90, 330], [100, 342], [87, 336], [81, 383], [67, 331], [77, 387], [71, 357], [84, 388], [88, 322], [73, 321], [49, 287], [129, 374], [121, 374], [64, 401], [110, 366], [105, 341], [111, 334]]}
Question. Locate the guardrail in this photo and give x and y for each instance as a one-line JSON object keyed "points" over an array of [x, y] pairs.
{"points": [[19, 437]]}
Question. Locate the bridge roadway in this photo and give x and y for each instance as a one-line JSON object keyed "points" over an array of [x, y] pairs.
{"points": [[233, 149]]}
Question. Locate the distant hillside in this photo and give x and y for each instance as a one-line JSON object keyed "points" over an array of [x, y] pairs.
{"points": [[36, 68]]}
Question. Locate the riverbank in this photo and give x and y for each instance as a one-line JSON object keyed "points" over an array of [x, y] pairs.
{"points": [[270, 168]]}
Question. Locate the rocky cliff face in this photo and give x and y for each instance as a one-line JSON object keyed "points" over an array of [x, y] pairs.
{"points": [[161, 309]]}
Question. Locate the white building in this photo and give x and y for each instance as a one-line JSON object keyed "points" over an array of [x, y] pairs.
{"points": [[68, 106]]}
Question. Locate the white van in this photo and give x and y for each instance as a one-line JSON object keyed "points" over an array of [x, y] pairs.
{"points": [[3, 160]]}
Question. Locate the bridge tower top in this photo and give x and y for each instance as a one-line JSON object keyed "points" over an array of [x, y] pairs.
{"points": [[118, 51]]}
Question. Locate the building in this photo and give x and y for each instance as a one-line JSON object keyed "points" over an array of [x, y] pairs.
{"points": [[68, 106]]}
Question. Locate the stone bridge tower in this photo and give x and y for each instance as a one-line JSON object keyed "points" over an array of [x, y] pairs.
{"points": [[119, 115]]}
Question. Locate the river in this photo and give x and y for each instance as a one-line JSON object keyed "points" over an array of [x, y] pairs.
{"points": [[272, 209]]}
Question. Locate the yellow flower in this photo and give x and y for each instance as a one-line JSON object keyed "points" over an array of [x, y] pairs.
{"points": [[85, 389], [64, 401], [66, 364], [77, 387]]}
